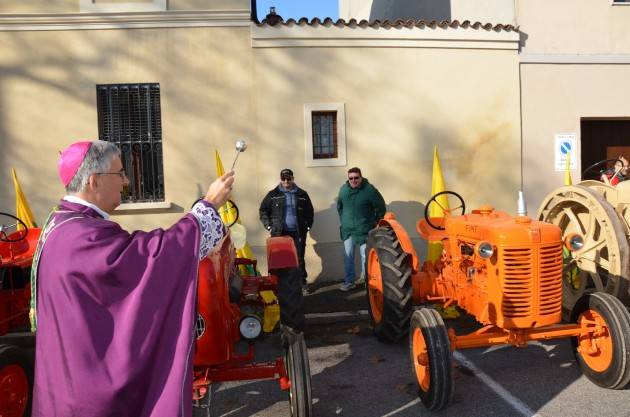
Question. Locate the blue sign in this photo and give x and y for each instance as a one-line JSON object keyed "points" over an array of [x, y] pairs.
{"points": [[565, 147]]}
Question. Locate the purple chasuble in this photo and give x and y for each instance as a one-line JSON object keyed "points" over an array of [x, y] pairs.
{"points": [[115, 318]]}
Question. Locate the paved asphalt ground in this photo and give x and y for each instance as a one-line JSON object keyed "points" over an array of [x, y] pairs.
{"points": [[353, 374]]}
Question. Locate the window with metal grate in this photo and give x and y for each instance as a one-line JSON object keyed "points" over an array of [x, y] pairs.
{"points": [[324, 134], [129, 115]]}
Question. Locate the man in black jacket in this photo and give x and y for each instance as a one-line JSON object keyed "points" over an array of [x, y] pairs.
{"points": [[287, 211]]}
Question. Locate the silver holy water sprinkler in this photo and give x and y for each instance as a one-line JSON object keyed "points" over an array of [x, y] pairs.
{"points": [[241, 145]]}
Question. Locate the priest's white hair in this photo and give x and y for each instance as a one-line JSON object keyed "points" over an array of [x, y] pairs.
{"points": [[98, 159]]}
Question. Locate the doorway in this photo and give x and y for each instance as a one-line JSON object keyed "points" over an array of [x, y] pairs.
{"points": [[603, 139]]}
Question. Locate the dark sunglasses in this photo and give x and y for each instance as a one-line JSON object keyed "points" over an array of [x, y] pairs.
{"points": [[286, 179], [353, 178]]}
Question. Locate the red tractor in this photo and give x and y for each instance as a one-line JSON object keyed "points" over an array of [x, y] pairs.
{"points": [[229, 306], [506, 272], [16, 342]]}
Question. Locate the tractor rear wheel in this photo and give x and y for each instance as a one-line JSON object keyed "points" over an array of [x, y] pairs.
{"points": [[299, 373], [290, 298], [604, 352], [16, 382], [388, 285], [431, 359], [603, 264]]}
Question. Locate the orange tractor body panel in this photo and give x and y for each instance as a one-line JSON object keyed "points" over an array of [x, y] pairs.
{"points": [[220, 316], [518, 287]]}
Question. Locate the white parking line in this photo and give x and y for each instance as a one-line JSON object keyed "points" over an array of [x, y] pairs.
{"points": [[517, 404], [404, 407]]}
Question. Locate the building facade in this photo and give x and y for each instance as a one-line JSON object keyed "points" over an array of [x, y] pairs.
{"points": [[172, 81]]}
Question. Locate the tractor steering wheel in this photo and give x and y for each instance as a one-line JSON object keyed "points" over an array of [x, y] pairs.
{"points": [[447, 211], [7, 229], [229, 205], [596, 164]]}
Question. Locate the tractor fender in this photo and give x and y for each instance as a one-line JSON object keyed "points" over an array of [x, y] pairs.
{"points": [[281, 253], [389, 220]]}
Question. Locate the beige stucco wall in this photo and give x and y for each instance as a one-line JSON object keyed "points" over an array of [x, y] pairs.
{"points": [[216, 88], [73, 6], [208, 4], [493, 11], [39, 6], [574, 64], [574, 26], [399, 103], [555, 98], [47, 100]]}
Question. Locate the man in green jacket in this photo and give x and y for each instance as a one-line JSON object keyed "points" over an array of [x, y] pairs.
{"points": [[360, 207]]}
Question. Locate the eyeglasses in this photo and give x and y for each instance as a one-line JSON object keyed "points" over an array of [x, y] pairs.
{"points": [[353, 178], [286, 179], [120, 173]]}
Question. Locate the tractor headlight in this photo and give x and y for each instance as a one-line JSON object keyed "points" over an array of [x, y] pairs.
{"points": [[250, 327], [485, 250], [574, 242]]}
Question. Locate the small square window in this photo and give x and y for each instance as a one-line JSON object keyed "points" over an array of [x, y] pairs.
{"points": [[325, 134]]}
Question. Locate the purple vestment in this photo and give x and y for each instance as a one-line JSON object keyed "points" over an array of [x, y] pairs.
{"points": [[115, 316]]}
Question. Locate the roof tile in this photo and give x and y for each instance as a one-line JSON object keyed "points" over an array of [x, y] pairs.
{"points": [[386, 24]]}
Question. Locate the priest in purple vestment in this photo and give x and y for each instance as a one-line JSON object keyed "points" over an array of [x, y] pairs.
{"points": [[114, 310]]}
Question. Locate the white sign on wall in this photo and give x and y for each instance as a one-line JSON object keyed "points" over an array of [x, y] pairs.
{"points": [[563, 145]]}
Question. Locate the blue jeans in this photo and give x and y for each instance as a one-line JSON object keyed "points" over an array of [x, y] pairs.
{"points": [[348, 260]]}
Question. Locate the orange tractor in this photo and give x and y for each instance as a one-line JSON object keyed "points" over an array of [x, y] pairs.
{"points": [[506, 272]]}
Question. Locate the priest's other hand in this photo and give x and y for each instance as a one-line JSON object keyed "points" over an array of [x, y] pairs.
{"points": [[220, 190]]}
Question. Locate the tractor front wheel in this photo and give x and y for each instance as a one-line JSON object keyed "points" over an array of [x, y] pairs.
{"points": [[299, 373], [388, 285], [291, 298], [604, 351], [16, 381], [431, 359]]}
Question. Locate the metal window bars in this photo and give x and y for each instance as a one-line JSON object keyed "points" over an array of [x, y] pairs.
{"points": [[129, 115]]}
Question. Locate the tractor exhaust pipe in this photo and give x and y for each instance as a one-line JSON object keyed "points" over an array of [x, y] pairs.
{"points": [[522, 207]]}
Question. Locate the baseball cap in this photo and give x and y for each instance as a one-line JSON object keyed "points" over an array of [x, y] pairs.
{"points": [[286, 173]]}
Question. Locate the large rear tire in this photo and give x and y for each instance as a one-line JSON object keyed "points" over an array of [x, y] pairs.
{"points": [[604, 353], [431, 359], [299, 373], [388, 285], [16, 382], [291, 298]]}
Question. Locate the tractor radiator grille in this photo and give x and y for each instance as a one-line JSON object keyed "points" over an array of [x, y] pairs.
{"points": [[550, 269], [523, 268], [517, 284]]}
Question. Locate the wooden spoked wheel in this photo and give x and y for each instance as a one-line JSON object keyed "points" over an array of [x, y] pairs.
{"points": [[603, 264]]}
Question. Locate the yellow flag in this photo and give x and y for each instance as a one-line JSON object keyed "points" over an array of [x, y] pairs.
{"points": [[228, 214], [22, 209], [437, 185], [567, 172]]}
